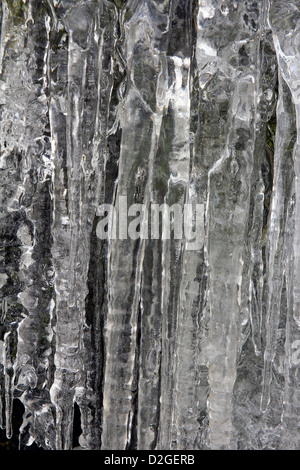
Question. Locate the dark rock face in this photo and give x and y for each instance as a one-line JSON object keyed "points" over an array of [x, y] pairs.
{"points": [[155, 343]]}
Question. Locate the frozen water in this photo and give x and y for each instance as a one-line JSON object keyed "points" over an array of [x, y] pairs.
{"points": [[162, 101]]}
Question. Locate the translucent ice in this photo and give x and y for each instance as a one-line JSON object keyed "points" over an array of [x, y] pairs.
{"points": [[150, 344]]}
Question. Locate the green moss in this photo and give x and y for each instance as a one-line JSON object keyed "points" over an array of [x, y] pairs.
{"points": [[270, 140], [12, 255], [45, 318], [49, 293], [16, 307], [17, 10], [15, 311], [119, 3], [14, 276], [128, 14], [43, 9]]}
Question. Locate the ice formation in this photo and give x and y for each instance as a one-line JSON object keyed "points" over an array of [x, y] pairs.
{"points": [[162, 101]]}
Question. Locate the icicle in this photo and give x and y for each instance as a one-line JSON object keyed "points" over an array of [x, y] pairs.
{"points": [[9, 390]]}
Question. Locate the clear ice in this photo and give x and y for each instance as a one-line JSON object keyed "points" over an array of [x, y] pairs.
{"points": [[163, 101]]}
